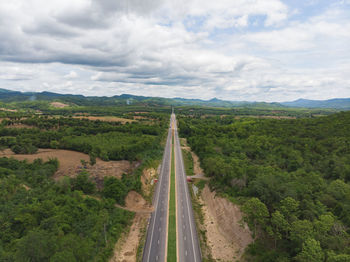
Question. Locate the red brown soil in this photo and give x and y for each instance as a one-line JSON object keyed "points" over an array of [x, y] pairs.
{"points": [[197, 170], [146, 179], [8, 110], [126, 248], [19, 126], [106, 118], [70, 163], [59, 105], [226, 238]]}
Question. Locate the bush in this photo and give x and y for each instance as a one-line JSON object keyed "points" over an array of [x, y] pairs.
{"points": [[115, 189]]}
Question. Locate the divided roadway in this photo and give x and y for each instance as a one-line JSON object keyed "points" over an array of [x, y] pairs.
{"points": [[157, 234], [155, 248]]}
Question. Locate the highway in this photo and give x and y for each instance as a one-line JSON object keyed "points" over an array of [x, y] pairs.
{"points": [[156, 239], [155, 248], [187, 238]]}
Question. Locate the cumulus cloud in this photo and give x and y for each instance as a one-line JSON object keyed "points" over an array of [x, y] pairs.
{"points": [[243, 49]]}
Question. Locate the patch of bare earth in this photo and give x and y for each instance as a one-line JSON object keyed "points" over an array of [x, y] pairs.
{"points": [[19, 126], [70, 163], [59, 105], [147, 178], [106, 118], [8, 110], [126, 247], [226, 238], [197, 170]]}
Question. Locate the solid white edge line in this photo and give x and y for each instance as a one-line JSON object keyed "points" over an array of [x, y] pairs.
{"points": [[187, 193], [157, 196]]}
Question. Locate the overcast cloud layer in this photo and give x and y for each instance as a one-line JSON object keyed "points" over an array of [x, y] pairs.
{"points": [[261, 50]]}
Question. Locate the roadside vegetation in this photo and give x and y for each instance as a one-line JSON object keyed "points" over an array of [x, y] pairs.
{"points": [[71, 219], [291, 176], [42, 220]]}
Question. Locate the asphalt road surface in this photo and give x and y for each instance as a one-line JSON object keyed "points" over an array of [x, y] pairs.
{"points": [[156, 240], [187, 238]]}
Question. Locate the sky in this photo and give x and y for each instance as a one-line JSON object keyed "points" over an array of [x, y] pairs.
{"points": [[251, 50]]}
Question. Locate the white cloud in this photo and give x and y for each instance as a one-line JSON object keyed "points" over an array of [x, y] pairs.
{"points": [[190, 48]]}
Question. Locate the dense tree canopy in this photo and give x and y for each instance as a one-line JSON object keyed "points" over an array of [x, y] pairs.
{"points": [[292, 175], [44, 221]]}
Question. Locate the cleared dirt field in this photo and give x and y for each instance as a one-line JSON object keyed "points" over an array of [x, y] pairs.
{"points": [[58, 105], [70, 163], [106, 118], [19, 126], [8, 110]]}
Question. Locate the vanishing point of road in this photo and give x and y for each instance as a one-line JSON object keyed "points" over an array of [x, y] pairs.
{"points": [[187, 243]]}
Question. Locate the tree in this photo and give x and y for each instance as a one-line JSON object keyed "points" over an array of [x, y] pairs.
{"points": [[301, 230], [82, 183], [92, 156], [289, 207], [311, 252], [36, 246], [54, 144], [255, 213], [279, 226], [114, 188]]}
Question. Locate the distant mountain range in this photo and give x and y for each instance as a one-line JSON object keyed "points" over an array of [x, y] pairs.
{"points": [[337, 103], [16, 96]]}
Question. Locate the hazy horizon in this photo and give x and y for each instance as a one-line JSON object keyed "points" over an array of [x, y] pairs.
{"points": [[244, 50]]}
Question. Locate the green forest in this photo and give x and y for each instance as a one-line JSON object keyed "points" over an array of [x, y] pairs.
{"points": [[107, 140], [71, 219], [41, 220], [291, 177]]}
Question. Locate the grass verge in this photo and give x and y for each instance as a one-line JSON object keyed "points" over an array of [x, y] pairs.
{"points": [[188, 162], [172, 212]]}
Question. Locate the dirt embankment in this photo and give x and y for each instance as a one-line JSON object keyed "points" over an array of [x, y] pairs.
{"points": [[126, 248], [226, 238], [148, 175], [70, 163], [197, 170]]}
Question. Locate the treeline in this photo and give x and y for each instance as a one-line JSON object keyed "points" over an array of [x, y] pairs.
{"points": [[197, 111], [41, 220], [292, 177], [107, 140]]}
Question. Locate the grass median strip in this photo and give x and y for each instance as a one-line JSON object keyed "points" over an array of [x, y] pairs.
{"points": [[172, 212]]}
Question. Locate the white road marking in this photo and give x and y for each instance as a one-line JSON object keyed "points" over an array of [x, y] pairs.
{"points": [[157, 198], [186, 192]]}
